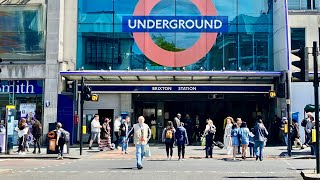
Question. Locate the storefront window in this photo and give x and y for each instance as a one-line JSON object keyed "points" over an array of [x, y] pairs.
{"points": [[298, 38], [247, 44], [22, 33], [26, 95]]}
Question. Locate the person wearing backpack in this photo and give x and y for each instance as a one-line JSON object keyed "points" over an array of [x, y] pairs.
{"points": [[235, 139], [209, 133], [168, 138], [62, 137]]}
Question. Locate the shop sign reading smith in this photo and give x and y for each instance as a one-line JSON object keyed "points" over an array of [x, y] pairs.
{"points": [[21, 87]]}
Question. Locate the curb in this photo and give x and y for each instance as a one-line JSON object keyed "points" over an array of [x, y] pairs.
{"points": [[37, 157], [309, 176], [5, 171]]}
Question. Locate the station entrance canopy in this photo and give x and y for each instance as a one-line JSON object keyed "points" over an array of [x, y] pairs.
{"points": [[106, 76]]}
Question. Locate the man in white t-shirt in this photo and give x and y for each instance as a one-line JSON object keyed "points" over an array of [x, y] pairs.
{"points": [[95, 130], [116, 129]]}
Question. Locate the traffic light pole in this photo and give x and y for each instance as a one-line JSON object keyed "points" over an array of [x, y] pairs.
{"points": [[288, 79], [316, 100], [81, 114]]}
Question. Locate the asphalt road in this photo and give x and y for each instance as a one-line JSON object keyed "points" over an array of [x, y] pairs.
{"points": [[32, 169]]}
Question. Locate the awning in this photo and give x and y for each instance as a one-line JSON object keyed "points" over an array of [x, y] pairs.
{"points": [[114, 75]]}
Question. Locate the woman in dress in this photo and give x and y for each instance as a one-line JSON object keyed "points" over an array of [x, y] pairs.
{"points": [[244, 134], [227, 135], [107, 130], [235, 139]]}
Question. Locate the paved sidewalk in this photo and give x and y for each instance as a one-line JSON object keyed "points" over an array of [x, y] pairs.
{"points": [[157, 151], [5, 171]]}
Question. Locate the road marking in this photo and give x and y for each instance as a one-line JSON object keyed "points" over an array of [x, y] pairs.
{"points": [[19, 171], [161, 171], [102, 171], [40, 171], [124, 171], [49, 166], [244, 172], [73, 171], [43, 167], [257, 172], [113, 171], [35, 168], [50, 171], [90, 172], [62, 171]]}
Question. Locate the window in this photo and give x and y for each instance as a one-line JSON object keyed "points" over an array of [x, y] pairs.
{"points": [[303, 4], [99, 51], [298, 38]]}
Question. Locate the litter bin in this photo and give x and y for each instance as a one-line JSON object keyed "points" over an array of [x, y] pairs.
{"points": [[51, 145]]}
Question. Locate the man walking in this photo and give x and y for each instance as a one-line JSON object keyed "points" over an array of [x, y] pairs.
{"points": [[95, 130], [141, 135], [308, 128], [260, 136], [176, 121], [116, 129]]}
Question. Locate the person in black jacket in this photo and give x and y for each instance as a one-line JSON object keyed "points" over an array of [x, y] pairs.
{"points": [[36, 133]]}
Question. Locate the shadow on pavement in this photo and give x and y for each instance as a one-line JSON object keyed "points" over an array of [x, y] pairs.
{"points": [[126, 168], [160, 160], [230, 160], [259, 177]]}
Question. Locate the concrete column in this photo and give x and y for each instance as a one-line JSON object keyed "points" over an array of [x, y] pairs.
{"points": [[160, 119], [125, 103], [52, 58]]}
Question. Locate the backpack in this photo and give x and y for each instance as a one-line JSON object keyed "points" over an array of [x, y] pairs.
{"points": [[304, 123], [65, 135], [169, 134]]}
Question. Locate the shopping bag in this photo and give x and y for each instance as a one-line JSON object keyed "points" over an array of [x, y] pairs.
{"points": [[65, 150], [147, 152], [203, 141]]}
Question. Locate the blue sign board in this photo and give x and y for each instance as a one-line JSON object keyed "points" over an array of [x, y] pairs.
{"points": [[21, 86], [175, 24], [182, 88]]}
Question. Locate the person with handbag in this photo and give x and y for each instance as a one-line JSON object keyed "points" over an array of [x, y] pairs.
{"points": [[141, 136], [123, 132], [209, 133], [260, 137]]}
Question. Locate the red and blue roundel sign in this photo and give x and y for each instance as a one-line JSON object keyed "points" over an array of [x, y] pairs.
{"points": [[208, 24]]}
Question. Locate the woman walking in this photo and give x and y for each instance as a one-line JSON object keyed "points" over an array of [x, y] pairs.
{"points": [[36, 133], [23, 130], [209, 133], [168, 138], [235, 140], [244, 134], [227, 135], [181, 139], [123, 134], [107, 133], [60, 140]]}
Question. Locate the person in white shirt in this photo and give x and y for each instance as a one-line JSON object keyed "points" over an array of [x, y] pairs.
{"points": [[141, 136], [95, 130], [116, 129]]}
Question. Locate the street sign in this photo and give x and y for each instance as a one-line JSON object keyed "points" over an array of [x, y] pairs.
{"points": [[95, 97], [272, 94]]}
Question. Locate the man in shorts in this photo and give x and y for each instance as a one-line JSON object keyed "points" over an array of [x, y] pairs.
{"points": [[95, 130]]}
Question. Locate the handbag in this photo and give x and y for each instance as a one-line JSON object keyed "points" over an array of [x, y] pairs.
{"points": [[203, 141], [147, 152]]}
